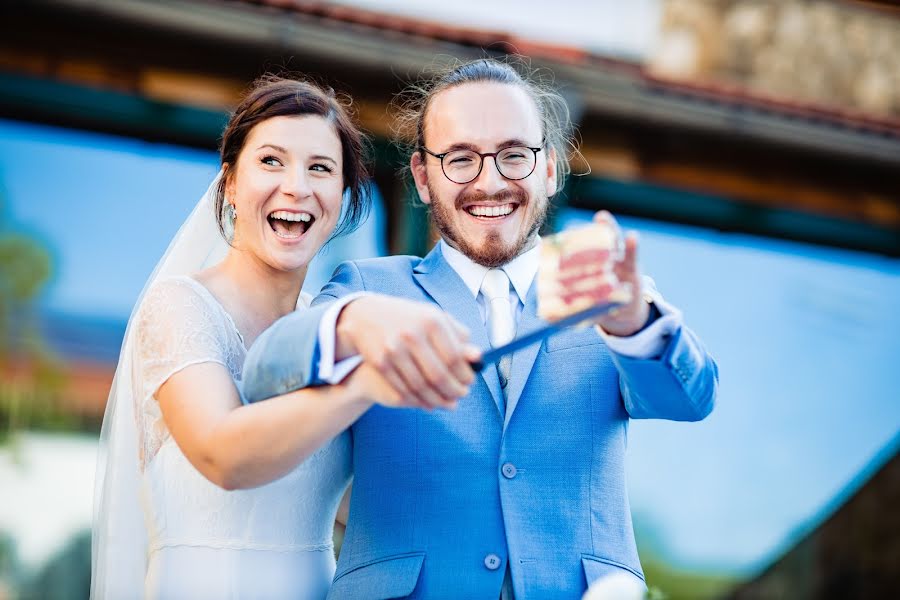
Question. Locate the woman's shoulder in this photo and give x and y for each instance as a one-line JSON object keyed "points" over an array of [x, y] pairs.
{"points": [[177, 298], [175, 284]]}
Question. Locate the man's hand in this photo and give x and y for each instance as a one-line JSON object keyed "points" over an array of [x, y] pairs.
{"points": [[630, 318], [420, 351]]}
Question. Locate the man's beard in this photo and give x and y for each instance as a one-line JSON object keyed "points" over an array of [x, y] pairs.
{"points": [[492, 252]]}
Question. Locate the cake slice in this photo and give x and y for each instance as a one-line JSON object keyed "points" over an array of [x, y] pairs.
{"points": [[576, 271]]}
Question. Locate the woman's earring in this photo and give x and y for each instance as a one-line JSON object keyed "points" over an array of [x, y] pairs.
{"points": [[228, 224]]}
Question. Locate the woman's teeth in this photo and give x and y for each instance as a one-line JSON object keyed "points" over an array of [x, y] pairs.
{"points": [[289, 216], [491, 211], [290, 225]]}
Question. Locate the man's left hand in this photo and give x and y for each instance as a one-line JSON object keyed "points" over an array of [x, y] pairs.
{"points": [[629, 318]]}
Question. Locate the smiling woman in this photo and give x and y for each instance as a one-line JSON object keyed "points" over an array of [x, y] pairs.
{"points": [[269, 100], [176, 432], [284, 193]]}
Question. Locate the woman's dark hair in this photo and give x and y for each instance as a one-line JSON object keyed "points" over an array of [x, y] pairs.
{"points": [[276, 96]]}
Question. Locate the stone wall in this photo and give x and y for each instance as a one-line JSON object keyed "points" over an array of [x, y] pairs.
{"points": [[830, 53]]}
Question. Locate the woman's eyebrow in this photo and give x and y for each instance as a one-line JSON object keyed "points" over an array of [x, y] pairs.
{"points": [[273, 147]]}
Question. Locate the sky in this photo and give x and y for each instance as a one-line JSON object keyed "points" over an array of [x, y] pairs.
{"points": [[805, 338]]}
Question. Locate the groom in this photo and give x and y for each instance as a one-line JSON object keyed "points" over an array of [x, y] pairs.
{"points": [[520, 491]]}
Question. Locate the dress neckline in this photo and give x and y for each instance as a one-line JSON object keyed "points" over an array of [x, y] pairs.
{"points": [[303, 300], [210, 296]]}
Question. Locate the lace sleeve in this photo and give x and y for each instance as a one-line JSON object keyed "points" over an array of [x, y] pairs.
{"points": [[176, 328]]}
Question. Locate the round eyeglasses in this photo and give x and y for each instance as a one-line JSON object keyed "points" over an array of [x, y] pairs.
{"points": [[464, 166]]}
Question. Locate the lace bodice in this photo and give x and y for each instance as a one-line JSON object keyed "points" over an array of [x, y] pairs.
{"points": [[284, 525], [179, 324]]}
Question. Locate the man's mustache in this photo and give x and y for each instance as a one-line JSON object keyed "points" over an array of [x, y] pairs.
{"points": [[503, 197]]}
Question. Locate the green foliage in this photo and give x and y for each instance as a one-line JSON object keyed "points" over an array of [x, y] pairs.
{"points": [[675, 584], [10, 569], [667, 582], [24, 267], [29, 386], [32, 402], [66, 576]]}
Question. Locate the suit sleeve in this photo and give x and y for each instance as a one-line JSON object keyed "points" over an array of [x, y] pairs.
{"points": [[285, 356], [345, 280], [680, 384]]}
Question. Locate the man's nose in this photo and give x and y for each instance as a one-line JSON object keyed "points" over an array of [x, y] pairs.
{"points": [[490, 181]]}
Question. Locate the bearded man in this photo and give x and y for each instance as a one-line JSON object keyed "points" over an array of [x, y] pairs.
{"points": [[519, 492]]}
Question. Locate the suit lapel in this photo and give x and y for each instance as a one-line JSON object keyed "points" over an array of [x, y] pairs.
{"points": [[441, 282], [523, 360]]}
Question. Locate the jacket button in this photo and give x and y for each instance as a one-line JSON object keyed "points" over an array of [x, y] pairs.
{"points": [[492, 562], [509, 470]]}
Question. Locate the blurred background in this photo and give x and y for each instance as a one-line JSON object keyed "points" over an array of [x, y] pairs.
{"points": [[755, 145]]}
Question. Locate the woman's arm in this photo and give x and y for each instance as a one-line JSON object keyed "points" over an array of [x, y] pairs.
{"points": [[243, 446]]}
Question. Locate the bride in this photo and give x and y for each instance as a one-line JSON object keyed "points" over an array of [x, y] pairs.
{"points": [[199, 496]]}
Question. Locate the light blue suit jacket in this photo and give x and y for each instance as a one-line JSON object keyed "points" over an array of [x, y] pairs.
{"points": [[443, 501]]}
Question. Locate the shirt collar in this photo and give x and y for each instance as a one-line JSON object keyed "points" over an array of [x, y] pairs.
{"points": [[520, 270]]}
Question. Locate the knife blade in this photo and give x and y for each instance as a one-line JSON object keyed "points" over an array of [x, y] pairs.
{"points": [[494, 354]]}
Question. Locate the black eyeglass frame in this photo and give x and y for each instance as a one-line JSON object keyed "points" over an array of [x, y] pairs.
{"points": [[482, 156]]}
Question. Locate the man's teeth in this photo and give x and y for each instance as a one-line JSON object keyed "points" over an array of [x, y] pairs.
{"points": [[491, 211], [291, 216]]}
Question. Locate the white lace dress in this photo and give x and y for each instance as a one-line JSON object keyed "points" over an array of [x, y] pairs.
{"points": [[273, 541]]}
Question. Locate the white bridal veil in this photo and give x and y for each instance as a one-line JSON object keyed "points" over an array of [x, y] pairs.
{"points": [[119, 535]]}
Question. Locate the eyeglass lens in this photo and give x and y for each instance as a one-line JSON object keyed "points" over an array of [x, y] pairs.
{"points": [[463, 166]]}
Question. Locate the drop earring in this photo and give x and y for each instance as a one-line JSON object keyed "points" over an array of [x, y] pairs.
{"points": [[229, 214]]}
